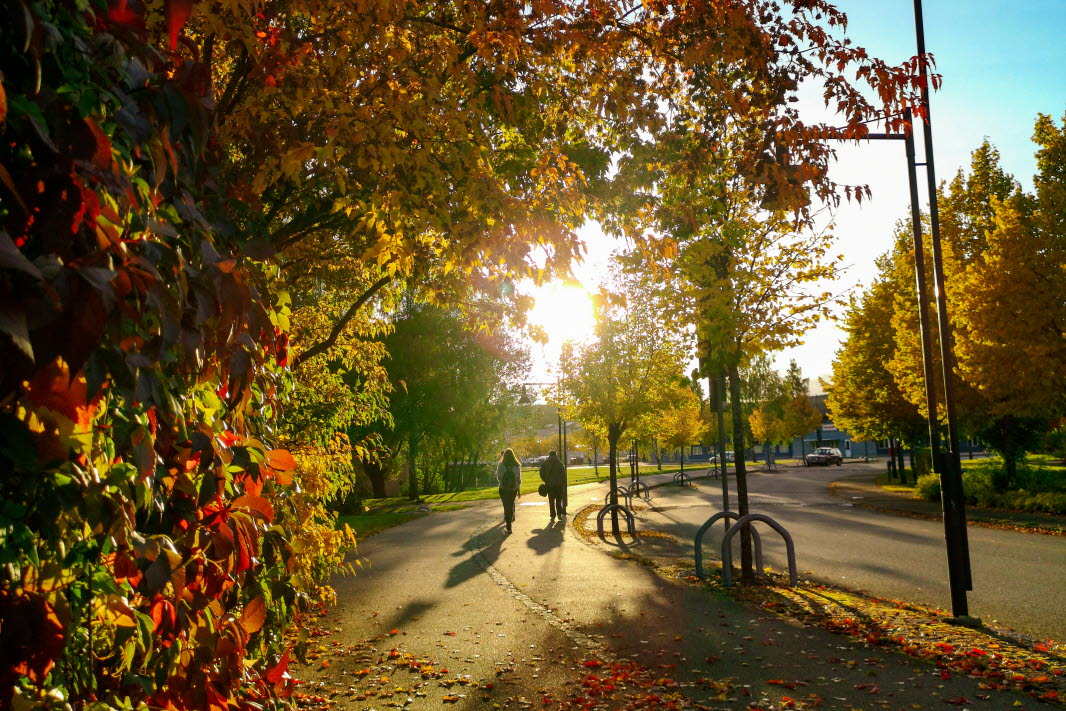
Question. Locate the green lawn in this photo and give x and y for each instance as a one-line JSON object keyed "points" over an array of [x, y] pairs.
{"points": [[384, 513]]}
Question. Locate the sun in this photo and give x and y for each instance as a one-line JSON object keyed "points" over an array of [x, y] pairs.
{"points": [[564, 312]]}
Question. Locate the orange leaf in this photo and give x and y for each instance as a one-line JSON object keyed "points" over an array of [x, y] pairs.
{"points": [[256, 505], [280, 460], [253, 616]]}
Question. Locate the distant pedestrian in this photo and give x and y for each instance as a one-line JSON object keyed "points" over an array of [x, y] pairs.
{"points": [[553, 474], [509, 478]]}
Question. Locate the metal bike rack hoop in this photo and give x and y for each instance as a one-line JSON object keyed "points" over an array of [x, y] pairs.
{"points": [[707, 526], [616, 507], [727, 554]]}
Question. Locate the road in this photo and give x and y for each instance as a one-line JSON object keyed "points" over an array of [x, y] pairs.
{"points": [[1018, 577]]}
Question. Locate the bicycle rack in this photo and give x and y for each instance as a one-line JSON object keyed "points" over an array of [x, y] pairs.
{"points": [[707, 526], [727, 554], [616, 507], [640, 489], [682, 478], [622, 492]]}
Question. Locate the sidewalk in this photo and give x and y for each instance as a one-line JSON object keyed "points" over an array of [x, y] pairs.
{"points": [[868, 494]]}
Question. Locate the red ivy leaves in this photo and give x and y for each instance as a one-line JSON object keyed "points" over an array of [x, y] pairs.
{"points": [[178, 12]]}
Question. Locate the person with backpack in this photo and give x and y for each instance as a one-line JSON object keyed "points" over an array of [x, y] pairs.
{"points": [[509, 477], [553, 474]]}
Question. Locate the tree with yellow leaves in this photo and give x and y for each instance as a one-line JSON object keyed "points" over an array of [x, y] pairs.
{"points": [[681, 424]]}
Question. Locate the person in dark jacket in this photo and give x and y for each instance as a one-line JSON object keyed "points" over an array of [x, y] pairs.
{"points": [[553, 474], [509, 477]]}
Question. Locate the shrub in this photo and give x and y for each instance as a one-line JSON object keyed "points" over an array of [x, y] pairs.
{"points": [[1043, 502], [927, 487], [977, 486]]}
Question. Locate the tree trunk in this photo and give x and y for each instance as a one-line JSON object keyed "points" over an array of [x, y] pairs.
{"points": [[614, 433], [375, 472], [412, 470], [746, 570], [899, 464], [720, 406]]}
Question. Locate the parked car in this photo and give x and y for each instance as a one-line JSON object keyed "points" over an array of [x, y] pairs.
{"points": [[534, 461], [824, 456], [728, 457]]}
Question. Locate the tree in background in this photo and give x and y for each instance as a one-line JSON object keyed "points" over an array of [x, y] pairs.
{"points": [[863, 396], [593, 439], [1004, 261], [681, 424], [628, 371], [799, 416], [1010, 305], [449, 384]]}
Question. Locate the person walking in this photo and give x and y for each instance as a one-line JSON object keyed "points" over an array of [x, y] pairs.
{"points": [[553, 474], [509, 478]]}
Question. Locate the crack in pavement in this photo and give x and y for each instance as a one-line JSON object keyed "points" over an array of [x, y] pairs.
{"points": [[586, 642]]}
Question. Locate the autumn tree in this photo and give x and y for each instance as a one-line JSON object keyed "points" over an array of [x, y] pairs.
{"points": [[800, 416], [863, 396], [741, 275], [448, 383], [1012, 315], [627, 372], [681, 423]]}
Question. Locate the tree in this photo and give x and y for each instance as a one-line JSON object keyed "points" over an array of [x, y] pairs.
{"points": [[863, 396], [593, 439], [628, 371], [1001, 277], [448, 383], [739, 274], [800, 416], [681, 424], [1012, 314]]}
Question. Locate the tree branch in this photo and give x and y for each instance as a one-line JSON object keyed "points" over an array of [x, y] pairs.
{"points": [[338, 328]]}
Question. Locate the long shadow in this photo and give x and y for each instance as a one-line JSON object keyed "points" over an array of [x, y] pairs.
{"points": [[409, 612], [468, 567], [544, 539]]}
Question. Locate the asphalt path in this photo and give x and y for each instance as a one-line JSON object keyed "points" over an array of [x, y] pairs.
{"points": [[1019, 579]]}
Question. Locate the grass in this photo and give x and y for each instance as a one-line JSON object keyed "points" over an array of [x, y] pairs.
{"points": [[385, 513]]}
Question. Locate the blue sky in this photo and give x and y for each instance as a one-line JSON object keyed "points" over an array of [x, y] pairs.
{"points": [[1002, 63]]}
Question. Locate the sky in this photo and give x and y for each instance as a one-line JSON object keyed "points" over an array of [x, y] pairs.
{"points": [[1002, 63]]}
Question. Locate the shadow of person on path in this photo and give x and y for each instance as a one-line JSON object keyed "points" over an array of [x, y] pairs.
{"points": [[487, 543], [544, 539]]}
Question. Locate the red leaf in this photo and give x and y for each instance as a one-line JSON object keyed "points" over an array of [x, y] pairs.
{"points": [[593, 663], [957, 701], [256, 505], [277, 672], [178, 12]]}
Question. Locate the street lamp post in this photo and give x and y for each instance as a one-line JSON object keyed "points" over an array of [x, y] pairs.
{"points": [[948, 464]]}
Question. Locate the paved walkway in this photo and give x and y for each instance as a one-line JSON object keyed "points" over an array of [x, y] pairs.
{"points": [[523, 620]]}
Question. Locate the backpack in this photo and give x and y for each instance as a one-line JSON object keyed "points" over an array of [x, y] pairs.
{"points": [[509, 477]]}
